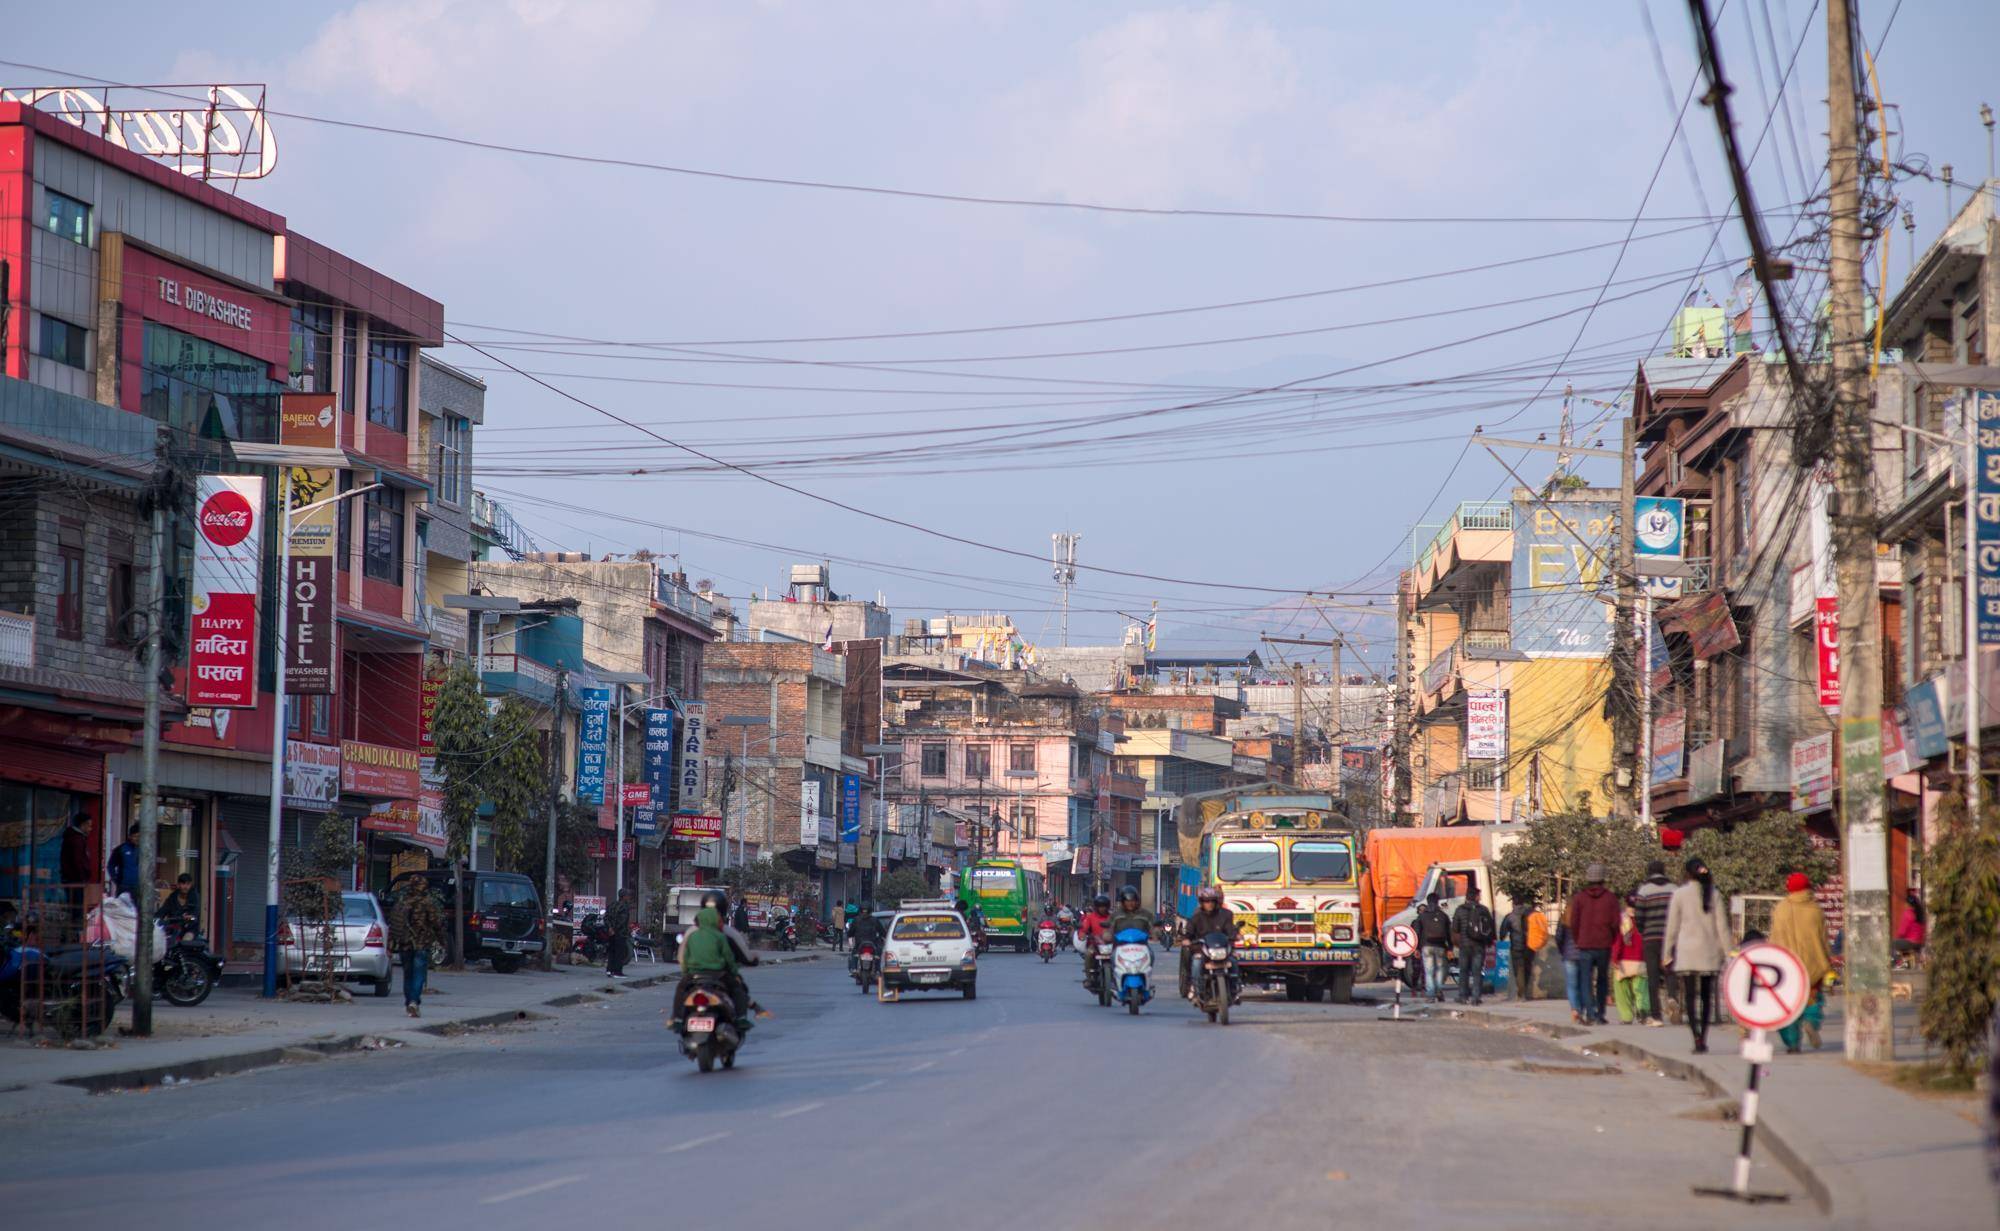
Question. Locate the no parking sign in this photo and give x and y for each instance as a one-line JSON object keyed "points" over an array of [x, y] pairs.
{"points": [[1765, 986], [1400, 939]]}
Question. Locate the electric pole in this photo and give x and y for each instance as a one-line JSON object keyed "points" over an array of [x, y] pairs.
{"points": [[149, 788], [555, 790], [1869, 1037], [1626, 772], [1333, 644]]}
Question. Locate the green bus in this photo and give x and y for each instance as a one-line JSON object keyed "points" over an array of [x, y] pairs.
{"points": [[1008, 895]]}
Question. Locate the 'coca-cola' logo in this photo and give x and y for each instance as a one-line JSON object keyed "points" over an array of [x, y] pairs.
{"points": [[226, 518]]}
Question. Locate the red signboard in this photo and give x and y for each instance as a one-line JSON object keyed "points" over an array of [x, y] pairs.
{"points": [[222, 652], [378, 770], [1826, 628], [398, 816], [599, 846], [695, 827], [222, 625], [638, 795], [427, 708]]}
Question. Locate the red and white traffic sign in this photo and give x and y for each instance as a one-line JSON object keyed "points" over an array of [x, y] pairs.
{"points": [[1765, 986], [1400, 939]]}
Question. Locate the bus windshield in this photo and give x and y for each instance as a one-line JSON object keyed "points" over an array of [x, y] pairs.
{"points": [[1247, 861], [1322, 861]]}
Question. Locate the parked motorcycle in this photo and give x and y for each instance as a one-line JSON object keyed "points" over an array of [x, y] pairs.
{"points": [[73, 989], [593, 938], [187, 972], [784, 933], [1045, 942], [1215, 985], [865, 961], [1132, 967], [708, 1026]]}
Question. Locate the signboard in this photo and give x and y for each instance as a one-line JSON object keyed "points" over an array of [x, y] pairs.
{"points": [[850, 808], [1486, 724], [656, 768], [1986, 515], [378, 770], [1705, 772], [1669, 743], [1826, 637], [1765, 986], [311, 575], [1925, 708], [1710, 626], [693, 770], [637, 795], [809, 812], [688, 825], [1561, 556], [427, 704], [228, 562], [644, 821], [1897, 757], [312, 776], [1659, 532], [1400, 939], [584, 905], [392, 816], [1812, 773], [226, 136], [593, 738]]}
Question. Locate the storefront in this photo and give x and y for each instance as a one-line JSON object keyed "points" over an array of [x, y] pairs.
{"points": [[51, 769], [382, 792]]}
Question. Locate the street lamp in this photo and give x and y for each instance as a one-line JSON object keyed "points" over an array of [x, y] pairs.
{"points": [[742, 722], [621, 679]]}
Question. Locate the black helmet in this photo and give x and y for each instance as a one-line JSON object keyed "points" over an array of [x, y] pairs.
{"points": [[718, 899], [1208, 894], [1101, 901], [1128, 892]]}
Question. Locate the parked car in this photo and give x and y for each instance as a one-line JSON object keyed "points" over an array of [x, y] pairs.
{"points": [[928, 951], [354, 948], [503, 919]]}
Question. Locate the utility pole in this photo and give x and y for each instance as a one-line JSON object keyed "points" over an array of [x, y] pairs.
{"points": [[149, 788], [1869, 1036], [1626, 772], [1333, 644], [555, 778]]}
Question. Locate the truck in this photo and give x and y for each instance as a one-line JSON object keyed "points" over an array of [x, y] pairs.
{"points": [[1404, 866], [1288, 865]]}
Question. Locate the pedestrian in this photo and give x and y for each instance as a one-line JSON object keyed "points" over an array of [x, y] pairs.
{"points": [[1697, 945], [839, 921], [78, 870], [183, 905], [1911, 933], [1649, 905], [122, 869], [1593, 921], [1525, 931], [1628, 970], [618, 921], [416, 927], [1799, 924], [1434, 942], [1472, 928], [1572, 959], [740, 918]]}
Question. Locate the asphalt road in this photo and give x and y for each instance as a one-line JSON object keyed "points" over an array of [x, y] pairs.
{"points": [[1029, 1107]]}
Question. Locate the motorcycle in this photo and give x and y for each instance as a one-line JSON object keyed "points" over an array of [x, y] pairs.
{"points": [[74, 989], [864, 965], [708, 1026], [979, 938], [187, 972], [1097, 974], [1045, 942], [1216, 985], [784, 933], [593, 939], [1132, 964], [1065, 934]]}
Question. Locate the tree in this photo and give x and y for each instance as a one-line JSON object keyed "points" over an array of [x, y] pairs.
{"points": [[1963, 879], [516, 780], [461, 739], [764, 876], [1757, 856], [576, 825], [1553, 851], [902, 885]]}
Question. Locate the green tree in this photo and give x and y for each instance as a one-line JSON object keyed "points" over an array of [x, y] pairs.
{"points": [[1962, 877], [576, 825], [461, 739], [902, 885], [516, 779], [764, 876], [1757, 856], [1550, 857]]}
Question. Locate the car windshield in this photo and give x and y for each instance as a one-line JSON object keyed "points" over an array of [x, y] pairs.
{"points": [[357, 908], [494, 893], [1322, 861], [1247, 861], [928, 927]]}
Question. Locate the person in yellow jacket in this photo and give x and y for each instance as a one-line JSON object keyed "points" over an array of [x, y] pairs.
{"points": [[1799, 925]]}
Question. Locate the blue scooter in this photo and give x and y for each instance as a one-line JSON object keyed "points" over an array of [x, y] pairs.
{"points": [[1132, 968]]}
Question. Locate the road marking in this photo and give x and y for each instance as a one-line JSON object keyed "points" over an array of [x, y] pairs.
{"points": [[530, 1190], [800, 1110], [698, 1141], [863, 1089], [928, 1064]]}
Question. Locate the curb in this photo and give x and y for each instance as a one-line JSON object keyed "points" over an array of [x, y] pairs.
{"points": [[1812, 1175]]}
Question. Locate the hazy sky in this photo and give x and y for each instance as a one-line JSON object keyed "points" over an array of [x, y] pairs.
{"points": [[1471, 111]]}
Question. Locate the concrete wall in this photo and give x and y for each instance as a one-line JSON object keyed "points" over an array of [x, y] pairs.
{"points": [[851, 620]]}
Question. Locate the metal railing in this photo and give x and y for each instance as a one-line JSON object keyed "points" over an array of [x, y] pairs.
{"points": [[17, 639], [519, 664], [1469, 515]]}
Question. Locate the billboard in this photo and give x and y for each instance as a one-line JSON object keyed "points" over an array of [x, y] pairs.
{"points": [[593, 739], [1812, 773], [1669, 742], [850, 808], [1986, 515], [1486, 724], [1562, 554], [228, 564], [693, 770], [809, 812]]}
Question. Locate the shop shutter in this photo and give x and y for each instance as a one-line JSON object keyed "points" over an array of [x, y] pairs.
{"points": [[247, 822], [48, 765]]}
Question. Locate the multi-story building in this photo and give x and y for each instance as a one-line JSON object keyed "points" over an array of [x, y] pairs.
{"points": [[810, 611]]}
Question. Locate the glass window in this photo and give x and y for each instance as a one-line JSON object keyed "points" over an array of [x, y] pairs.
{"points": [[382, 535], [451, 448], [119, 594], [494, 892], [322, 715], [928, 927], [357, 908], [1322, 861], [69, 597], [389, 384], [350, 345], [1021, 757], [1247, 861], [202, 389], [67, 217], [312, 348], [978, 761], [63, 342], [933, 761]]}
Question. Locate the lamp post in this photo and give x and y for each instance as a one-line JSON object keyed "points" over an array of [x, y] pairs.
{"points": [[621, 679], [743, 723]]}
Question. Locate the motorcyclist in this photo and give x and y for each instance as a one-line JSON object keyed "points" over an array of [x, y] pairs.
{"points": [[739, 953], [1130, 915], [1210, 917], [706, 951], [866, 930], [1094, 928]]}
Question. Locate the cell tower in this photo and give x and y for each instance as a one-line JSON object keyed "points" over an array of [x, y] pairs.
{"points": [[1062, 556]]}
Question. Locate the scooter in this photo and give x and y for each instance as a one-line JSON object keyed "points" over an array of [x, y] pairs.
{"points": [[784, 933], [1132, 965], [708, 1026], [74, 989], [1045, 942], [979, 938], [1215, 985], [864, 966], [187, 972]]}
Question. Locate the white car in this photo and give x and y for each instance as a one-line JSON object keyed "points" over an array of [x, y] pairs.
{"points": [[928, 951]]}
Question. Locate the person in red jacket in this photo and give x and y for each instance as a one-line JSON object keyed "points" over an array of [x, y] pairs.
{"points": [[1593, 921], [1095, 926], [1628, 970]]}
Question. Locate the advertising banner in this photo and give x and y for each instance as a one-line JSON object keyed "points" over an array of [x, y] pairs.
{"points": [[378, 770], [1669, 742], [1925, 707], [637, 795], [850, 808], [809, 812], [427, 704], [1710, 626], [689, 825], [228, 564], [1897, 755], [1659, 532], [312, 776], [1826, 638], [693, 770], [1986, 515], [310, 581], [1486, 724], [1560, 567], [1812, 773], [656, 767], [593, 740]]}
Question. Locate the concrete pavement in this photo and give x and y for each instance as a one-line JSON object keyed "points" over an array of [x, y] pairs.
{"points": [[1028, 1106]]}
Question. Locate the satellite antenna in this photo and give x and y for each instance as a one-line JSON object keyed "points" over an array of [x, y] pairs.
{"points": [[1062, 559]]}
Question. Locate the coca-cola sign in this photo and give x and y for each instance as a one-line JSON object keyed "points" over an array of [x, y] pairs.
{"points": [[216, 132], [228, 562], [226, 518]]}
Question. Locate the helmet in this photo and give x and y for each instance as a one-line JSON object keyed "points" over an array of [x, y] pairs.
{"points": [[1128, 894], [1101, 902], [718, 899], [1209, 896]]}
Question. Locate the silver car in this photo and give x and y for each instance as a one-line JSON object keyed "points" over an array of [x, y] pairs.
{"points": [[354, 948]]}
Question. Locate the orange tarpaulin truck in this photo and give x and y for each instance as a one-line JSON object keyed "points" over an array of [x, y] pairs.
{"points": [[1399, 862]]}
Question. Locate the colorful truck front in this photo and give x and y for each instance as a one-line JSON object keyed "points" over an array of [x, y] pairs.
{"points": [[1297, 900]]}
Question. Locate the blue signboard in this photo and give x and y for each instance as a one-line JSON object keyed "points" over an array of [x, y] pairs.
{"points": [[1986, 515], [850, 808], [1562, 563], [657, 765], [592, 741], [1928, 737], [645, 822], [1658, 526]]}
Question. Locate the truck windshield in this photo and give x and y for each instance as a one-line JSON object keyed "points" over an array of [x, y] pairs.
{"points": [[1247, 861], [1322, 861]]}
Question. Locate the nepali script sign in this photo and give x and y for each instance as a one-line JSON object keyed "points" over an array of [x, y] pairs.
{"points": [[228, 564], [1986, 514]]}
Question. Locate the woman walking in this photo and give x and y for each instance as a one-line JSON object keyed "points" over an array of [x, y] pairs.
{"points": [[1628, 971], [1697, 945], [1798, 924]]}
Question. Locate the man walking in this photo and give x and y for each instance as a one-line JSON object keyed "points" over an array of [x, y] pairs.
{"points": [[1649, 910], [1593, 921], [416, 928], [122, 869], [1472, 928], [1434, 942], [618, 921], [1523, 929]]}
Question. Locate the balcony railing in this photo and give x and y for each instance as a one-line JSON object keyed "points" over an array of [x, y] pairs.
{"points": [[521, 665], [1471, 515], [17, 639]]}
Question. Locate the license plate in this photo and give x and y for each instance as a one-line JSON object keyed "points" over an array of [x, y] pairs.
{"points": [[932, 976], [701, 1025]]}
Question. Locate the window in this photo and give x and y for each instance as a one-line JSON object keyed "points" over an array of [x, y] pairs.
{"points": [[1022, 817], [63, 342], [452, 442], [1247, 861], [119, 596], [69, 579], [312, 348], [1021, 757], [389, 384], [350, 345], [1480, 775], [295, 716], [932, 761], [1322, 861], [1740, 688], [978, 761], [382, 535], [928, 927], [197, 387], [67, 217], [497, 892]]}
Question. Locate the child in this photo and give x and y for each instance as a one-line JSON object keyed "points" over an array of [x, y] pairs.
{"points": [[1628, 970], [1572, 971]]}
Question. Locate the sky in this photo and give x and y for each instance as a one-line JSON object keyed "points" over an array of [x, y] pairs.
{"points": [[1224, 460]]}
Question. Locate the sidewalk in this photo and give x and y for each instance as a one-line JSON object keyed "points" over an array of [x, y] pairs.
{"points": [[235, 1029], [1869, 1154]]}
